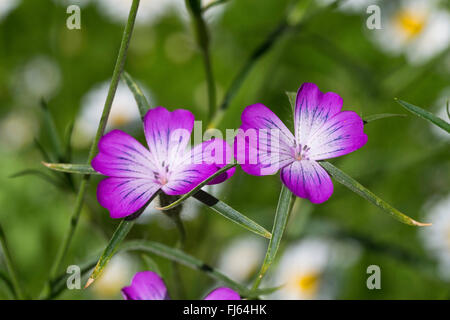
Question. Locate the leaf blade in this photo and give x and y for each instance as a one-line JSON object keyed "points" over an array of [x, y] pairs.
{"points": [[424, 114], [284, 207], [380, 116], [71, 168], [231, 214], [365, 193], [139, 96]]}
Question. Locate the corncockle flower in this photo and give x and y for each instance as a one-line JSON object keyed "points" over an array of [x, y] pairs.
{"points": [[147, 285], [264, 145], [137, 173]]}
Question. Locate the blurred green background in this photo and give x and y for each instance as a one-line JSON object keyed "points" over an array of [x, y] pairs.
{"points": [[405, 162]]}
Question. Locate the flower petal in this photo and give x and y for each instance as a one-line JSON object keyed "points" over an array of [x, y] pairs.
{"points": [[167, 133], [185, 178], [146, 285], [223, 293], [312, 109], [215, 151], [340, 135], [263, 143], [120, 155], [124, 196], [307, 179]]}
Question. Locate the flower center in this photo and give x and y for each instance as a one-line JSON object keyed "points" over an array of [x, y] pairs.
{"points": [[301, 152], [162, 176], [306, 283], [410, 23]]}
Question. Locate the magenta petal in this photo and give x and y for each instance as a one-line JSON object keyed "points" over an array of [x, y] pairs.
{"points": [[185, 178], [120, 155], [312, 109], [307, 179], [340, 135], [215, 151], [263, 143], [146, 285], [167, 133], [223, 293], [124, 196]]}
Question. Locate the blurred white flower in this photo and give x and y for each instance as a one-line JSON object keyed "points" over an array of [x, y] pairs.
{"points": [[417, 28], [441, 106], [17, 129], [242, 258], [6, 6], [117, 274], [301, 269], [38, 78], [437, 237], [124, 111]]}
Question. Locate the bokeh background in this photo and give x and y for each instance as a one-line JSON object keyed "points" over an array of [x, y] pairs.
{"points": [[327, 247]]}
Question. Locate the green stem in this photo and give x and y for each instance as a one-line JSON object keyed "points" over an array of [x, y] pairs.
{"points": [[101, 128], [10, 265], [202, 38]]}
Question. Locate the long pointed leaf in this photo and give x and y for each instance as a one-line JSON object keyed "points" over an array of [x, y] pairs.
{"points": [[38, 174], [139, 96], [425, 115], [228, 212], [119, 235], [284, 207], [379, 116], [10, 265], [71, 168], [359, 189]]}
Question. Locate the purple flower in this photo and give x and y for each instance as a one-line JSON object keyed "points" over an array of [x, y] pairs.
{"points": [[265, 145], [137, 173], [147, 285]]}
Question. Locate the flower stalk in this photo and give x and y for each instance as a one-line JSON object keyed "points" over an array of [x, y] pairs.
{"points": [[101, 128]]}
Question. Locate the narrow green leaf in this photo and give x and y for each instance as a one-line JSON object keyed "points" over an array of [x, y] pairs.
{"points": [[10, 265], [119, 235], [139, 96], [42, 150], [71, 168], [425, 115], [4, 277], [68, 142], [284, 207], [183, 258], [51, 130], [197, 188], [374, 117], [39, 174], [359, 189], [233, 215]]}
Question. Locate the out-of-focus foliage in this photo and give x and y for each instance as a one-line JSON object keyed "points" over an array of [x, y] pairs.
{"points": [[405, 161]]}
